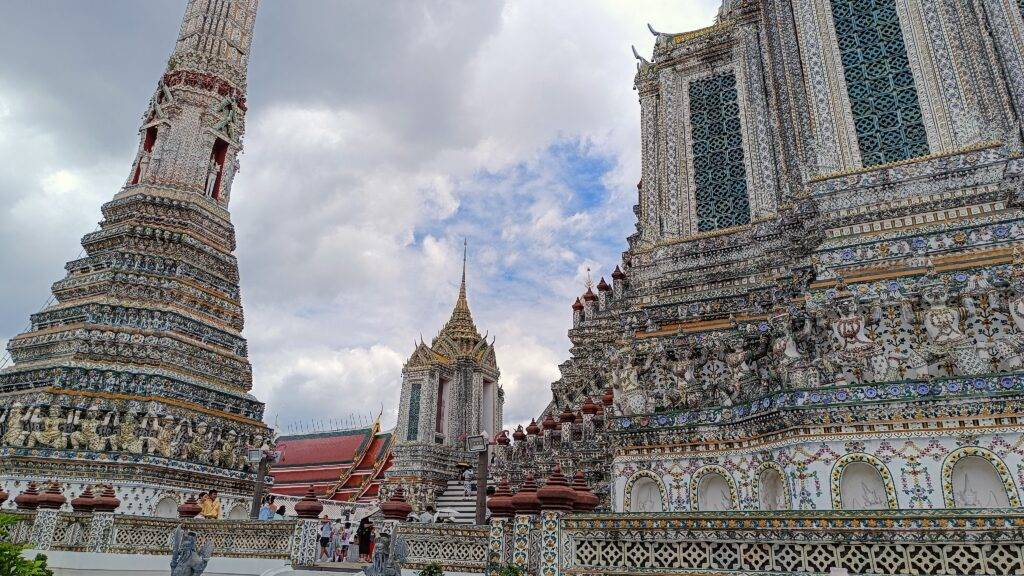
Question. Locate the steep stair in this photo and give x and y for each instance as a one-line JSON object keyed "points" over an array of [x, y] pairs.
{"points": [[455, 499]]}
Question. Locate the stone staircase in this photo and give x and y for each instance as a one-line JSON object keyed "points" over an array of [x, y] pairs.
{"points": [[455, 499]]}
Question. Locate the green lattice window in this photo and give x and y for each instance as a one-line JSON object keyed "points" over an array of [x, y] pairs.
{"points": [[720, 175], [413, 432], [883, 97]]}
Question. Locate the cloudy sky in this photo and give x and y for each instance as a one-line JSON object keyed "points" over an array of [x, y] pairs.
{"points": [[380, 134]]}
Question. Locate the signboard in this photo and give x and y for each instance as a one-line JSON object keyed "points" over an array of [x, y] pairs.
{"points": [[477, 443]]}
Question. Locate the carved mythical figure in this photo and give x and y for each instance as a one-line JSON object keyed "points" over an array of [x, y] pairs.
{"points": [[88, 436], [946, 340], [787, 358], [1008, 349], [625, 384], [50, 431], [854, 349], [741, 367], [16, 433], [163, 434], [128, 438], [225, 454], [186, 558], [197, 448], [687, 364]]}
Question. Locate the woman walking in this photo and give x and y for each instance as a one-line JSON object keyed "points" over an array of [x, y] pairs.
{"points": [[365, 535]]}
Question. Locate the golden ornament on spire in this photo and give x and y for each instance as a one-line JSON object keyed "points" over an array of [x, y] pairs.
{"points": [[460, 328]]}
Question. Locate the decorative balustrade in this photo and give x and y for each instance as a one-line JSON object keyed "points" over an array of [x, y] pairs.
{"points": [[124, 534], [457, 548], [865, 542]]}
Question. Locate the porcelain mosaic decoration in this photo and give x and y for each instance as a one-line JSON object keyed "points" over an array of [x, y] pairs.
{"points": [[137, 374], [822, 307]]}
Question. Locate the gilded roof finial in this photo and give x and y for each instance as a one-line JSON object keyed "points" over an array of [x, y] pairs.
{"points": [[460, 326]]}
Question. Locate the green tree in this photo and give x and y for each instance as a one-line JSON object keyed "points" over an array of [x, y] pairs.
{"points": [[432, 569], [12, 563]]}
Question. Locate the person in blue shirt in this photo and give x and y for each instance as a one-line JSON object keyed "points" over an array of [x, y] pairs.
{"points": [[267, 510]]}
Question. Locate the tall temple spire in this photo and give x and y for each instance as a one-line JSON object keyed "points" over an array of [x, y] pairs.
{"points": [[145, 338], [191, 133], [460, 326]]}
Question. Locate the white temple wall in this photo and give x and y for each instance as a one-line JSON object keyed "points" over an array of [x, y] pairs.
{"points": [[915, 472]]}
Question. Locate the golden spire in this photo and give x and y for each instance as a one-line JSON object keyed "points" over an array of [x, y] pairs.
{"points": [[460, 326]]}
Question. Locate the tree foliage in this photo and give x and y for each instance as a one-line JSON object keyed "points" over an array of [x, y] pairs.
{"points": [[12, 563], [432, 569]]}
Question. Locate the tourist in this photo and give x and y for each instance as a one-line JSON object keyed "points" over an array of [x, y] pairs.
{"points": [[467, 481], [349, 552], [364, 534], [337, 540], [201, 501], [344, 536], [210, 507], [325, 536], [281, 511], [267, 510], [427, 516]]}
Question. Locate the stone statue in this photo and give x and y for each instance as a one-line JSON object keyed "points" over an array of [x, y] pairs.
{"points": [[1008, 349], [50, 432], [740, 358], [186, 558], [144, 159], [388, 555], [16, 433], [88, 436], [946, 340], [211, 177]]}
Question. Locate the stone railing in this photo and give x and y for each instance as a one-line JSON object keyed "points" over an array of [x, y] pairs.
{"points": [[937, 542], [457, 548], [99, 532]]}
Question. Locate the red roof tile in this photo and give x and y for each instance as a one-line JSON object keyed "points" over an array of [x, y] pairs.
{"points": [[321, 448]]}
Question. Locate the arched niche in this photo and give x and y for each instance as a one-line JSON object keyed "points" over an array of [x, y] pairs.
{"points": [[239, 511], [772, 492], [166, 507], [861, 487], [714, 493], [974, 477], [644, 492]]}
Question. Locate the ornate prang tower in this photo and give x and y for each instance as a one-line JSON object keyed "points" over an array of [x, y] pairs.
{"points": [[137, 374], [450, 391]]}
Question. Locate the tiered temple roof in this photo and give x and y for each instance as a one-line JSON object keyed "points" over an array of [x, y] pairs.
{"points": [[342, 465]]}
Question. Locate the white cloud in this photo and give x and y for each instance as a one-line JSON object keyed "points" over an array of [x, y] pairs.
{"points": [[377, 140]]}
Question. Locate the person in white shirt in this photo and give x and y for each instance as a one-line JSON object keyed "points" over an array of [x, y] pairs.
{"points": [[427, 516]]}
